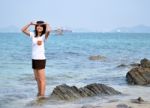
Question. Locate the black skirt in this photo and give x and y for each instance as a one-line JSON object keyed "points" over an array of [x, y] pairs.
{"points": [[38, 64]]}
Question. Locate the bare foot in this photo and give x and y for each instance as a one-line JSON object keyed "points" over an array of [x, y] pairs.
{"points": [[41, 97]]}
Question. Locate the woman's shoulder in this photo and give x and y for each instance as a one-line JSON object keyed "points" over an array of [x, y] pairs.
{"points": [[32, 34], [43, 36]]}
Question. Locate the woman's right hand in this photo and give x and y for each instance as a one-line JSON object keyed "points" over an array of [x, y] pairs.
{"points": [[33, 23]]}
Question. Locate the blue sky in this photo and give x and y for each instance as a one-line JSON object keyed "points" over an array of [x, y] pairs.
{"points": [[92, 15]]}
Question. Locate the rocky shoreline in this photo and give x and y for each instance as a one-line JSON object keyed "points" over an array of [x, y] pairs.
{"points": [[138, 75]]}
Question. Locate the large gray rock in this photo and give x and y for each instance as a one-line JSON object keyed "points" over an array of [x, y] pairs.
{"points": [[65, 92], [140, 75]]}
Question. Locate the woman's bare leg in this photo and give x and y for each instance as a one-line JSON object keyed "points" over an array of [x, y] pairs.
{"points": [[42, 81], [36, 78], [35, 74]]}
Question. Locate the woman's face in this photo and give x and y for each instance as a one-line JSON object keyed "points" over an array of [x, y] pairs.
{"points": [[39, 28]]}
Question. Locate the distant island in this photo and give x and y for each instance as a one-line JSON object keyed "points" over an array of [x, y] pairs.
{"points": [[135, 29]]}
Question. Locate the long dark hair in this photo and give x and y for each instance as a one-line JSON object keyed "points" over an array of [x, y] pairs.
{"points": [[41, 23]]}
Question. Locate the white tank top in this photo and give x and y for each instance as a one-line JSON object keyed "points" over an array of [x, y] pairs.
{"points": [[38, 51]]}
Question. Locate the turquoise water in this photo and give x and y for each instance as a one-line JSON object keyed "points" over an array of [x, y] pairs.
{"points": [[67, 62]]}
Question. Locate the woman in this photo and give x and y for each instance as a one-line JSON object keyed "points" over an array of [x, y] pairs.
{"points": [[38, 37]]}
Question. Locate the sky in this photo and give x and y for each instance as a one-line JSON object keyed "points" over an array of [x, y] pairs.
{"points": [[86, 15]]}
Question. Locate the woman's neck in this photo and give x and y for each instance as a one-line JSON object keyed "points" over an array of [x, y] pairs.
{"points": [[39, 34]]}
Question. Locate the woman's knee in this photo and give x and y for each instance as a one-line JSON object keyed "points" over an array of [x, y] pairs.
{"points": [[41, 79], [41, 75]]}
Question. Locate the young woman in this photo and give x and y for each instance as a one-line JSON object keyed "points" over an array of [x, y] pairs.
{"points": [[38, 37]]}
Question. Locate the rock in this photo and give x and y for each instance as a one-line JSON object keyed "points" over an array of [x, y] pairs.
{"points": [[129, 65], [145, 63], [135, 64], [122, 106], [90, 106], [139, 100], [97, 57], [140, 75], [65, 92], [121, 65]]}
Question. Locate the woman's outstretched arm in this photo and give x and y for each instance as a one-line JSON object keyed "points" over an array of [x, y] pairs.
{"points": [[48, 30], [25, 28]]}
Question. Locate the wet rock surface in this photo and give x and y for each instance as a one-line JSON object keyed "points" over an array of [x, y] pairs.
{"points": [[90, 106], [140, 75], [97, 58], [65, 92], [139, 100], [128, 65], [122, 106]]}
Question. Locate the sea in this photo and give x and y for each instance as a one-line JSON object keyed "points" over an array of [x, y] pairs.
{"points": [[68, 63]]}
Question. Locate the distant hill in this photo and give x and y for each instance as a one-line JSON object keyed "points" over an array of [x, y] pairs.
{"points": [[135, 29]]}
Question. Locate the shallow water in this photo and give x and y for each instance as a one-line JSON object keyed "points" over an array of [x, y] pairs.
{"points": [[67, 62]]}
